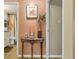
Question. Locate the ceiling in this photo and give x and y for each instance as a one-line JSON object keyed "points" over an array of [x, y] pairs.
{"points": [[10, 9]]}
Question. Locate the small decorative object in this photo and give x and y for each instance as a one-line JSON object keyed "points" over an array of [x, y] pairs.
{"points": [[31, 35], [32, 11], [26, 35], [39, 29], [39, 34], [5, 25]]}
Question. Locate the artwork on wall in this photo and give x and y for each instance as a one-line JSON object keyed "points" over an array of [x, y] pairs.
{"points": [[32, 11], [5, 25]]}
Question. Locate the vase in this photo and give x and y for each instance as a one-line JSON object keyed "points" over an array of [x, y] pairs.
{"points": [[39, 34]]}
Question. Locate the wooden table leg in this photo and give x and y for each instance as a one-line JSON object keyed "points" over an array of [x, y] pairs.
{"points": [[31, 50], [41, 47], [22, 49]]}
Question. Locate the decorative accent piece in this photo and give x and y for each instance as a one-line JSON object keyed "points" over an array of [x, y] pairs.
{"points": [[32, 11], [39, 34], [40, 24], [5, 25], [26, 35]]}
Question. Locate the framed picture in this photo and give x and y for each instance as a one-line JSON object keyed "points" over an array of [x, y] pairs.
{"points": [[32, 11], [5, 25]]}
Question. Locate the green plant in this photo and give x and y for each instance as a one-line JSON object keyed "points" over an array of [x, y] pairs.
{"points": [[41, 17]]}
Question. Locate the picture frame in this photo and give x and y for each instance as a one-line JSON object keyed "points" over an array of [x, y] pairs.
{"points": [[32, 11], [5, 25]]}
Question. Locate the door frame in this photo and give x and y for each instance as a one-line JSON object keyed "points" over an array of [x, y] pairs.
{"points": [[17, 21], [47, 29]]}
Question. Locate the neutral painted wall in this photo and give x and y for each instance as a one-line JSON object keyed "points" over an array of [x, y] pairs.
{"points": [[68, 29], [55, 27], [6, 33], [6, 38], [25, 24]]}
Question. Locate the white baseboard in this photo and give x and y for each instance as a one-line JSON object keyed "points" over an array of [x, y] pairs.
{"points": [[44, 56], [55, 56]]}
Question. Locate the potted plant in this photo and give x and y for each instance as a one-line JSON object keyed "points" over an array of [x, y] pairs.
{"points": [[40, 24]]}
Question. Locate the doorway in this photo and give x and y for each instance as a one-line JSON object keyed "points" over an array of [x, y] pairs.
{"points": [[10, 26], [54, 26]]}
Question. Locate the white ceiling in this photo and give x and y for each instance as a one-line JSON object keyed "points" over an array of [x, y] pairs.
{"points": [[11, 9]]}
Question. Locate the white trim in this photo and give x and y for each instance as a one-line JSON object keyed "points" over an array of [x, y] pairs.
{"points": [[11, 3], [47, 29], [18, 30], [55, 56], [38, 56], [62, 29], [16, 3]]}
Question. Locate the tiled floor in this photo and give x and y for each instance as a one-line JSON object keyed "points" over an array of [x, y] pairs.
{"points": [[13, 54]]}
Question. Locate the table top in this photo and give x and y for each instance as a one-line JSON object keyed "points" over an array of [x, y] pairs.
{"points": [[32, 39]]}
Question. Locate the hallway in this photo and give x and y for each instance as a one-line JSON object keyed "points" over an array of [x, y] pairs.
{"points": [[13, 54]]}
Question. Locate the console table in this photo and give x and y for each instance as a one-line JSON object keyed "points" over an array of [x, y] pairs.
{"points": [[32, 41]]}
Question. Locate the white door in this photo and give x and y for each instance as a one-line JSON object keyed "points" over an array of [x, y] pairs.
{"points": [[55, 29]]}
